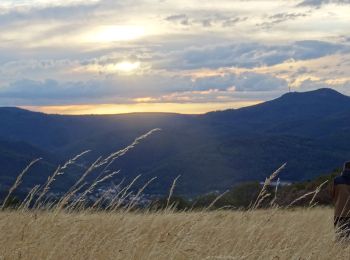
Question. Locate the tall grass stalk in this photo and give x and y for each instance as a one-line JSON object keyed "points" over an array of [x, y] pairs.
{"points": [[18, 182], [59, 171], [263, 193], [171, 191], [314, 193]]}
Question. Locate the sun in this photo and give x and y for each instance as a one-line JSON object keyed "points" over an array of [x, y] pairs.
{"points": [[126, 66], [123, 66], [115, 33]]}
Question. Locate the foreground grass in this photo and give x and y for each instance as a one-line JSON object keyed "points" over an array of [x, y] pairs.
{"points": [[260, 234]]}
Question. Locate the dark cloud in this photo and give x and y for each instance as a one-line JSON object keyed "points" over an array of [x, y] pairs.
{"points": [[250, 81], [111, 90], [317, 3], [52, 89], [179, 19], [206, 20], [228, 22], [280, 18], [124, 90], [250, 55], [49, 13], [247, 81]]}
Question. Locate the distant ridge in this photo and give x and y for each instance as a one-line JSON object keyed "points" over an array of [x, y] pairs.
{"points": [[309, 130], [321, 95], [318, 92], [14, 109]]}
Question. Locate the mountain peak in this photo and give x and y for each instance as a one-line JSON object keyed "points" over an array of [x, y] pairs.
{"points": [[322, 97], [326, 91], [322, 92]]}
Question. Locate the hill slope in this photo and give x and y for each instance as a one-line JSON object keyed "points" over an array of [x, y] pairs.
{"points": [[213, 151]]}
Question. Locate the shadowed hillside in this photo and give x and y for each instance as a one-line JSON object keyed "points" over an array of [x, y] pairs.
{"points": [[214, 151]]}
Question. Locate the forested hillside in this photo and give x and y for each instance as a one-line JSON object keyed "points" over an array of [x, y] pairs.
{"points": [[215, 151]]}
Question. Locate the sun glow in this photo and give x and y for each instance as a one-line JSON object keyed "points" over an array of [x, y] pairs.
{"points": [[126, 66], [116, 33], [184, 108]]}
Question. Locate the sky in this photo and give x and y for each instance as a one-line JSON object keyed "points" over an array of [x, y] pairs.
{"points": [[185, 56]]}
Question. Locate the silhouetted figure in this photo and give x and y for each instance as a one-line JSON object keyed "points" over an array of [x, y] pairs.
{"points": [[340, 192]]}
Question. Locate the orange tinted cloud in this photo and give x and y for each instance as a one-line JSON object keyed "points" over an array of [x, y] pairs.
{"points": [[183, 108]]}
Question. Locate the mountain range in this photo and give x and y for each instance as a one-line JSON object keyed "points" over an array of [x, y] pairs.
{"points": [[211, 152]]}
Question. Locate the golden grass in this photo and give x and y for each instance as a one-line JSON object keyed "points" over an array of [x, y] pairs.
{"points": [[256, 234], [67, 229]]}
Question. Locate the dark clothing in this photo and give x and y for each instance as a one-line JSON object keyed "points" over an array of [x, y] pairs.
{"points": [[340, 192]]}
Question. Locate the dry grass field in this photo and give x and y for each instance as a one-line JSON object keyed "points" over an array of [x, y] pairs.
{"points": [[256, 234], [68, 230]]}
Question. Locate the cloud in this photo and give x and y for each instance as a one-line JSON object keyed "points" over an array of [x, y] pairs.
{"points": [[318, 3], [228, 22], [62, 13], [121, 89], [124, 90], [259, 82], [251, 54], [45, 58], [309, 84], [247, 81], [280, 18], [206, 20], [52, 89], [74, 65], [178, 18]]}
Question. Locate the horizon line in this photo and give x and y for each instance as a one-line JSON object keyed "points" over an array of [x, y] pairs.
{"points": [[149, 108]]}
